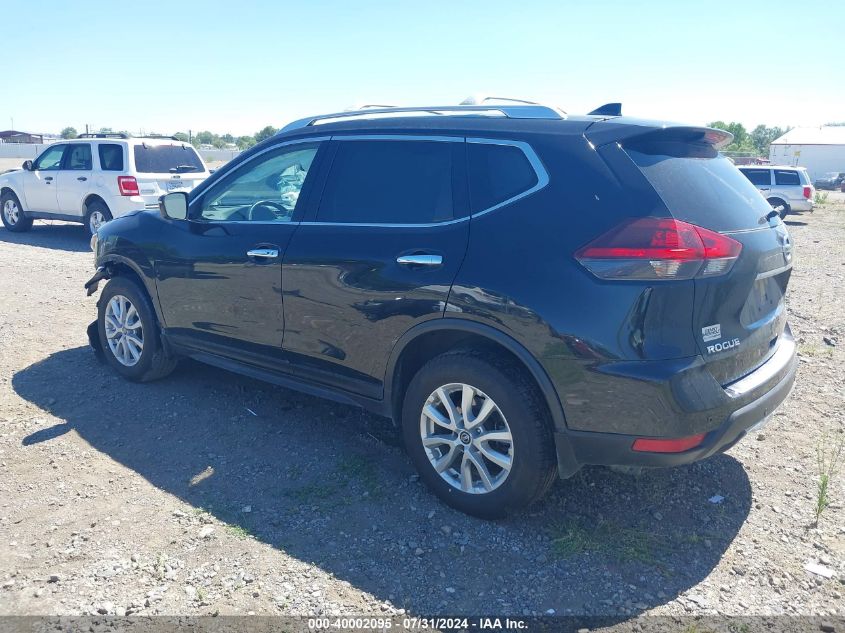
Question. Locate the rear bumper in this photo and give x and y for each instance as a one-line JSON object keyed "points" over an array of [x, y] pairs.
{"points": [[751, 400], [801, 205]]}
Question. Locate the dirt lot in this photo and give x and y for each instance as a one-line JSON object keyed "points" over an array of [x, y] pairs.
{"points": [[210, 493]]}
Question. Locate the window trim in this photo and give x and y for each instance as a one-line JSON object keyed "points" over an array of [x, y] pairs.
{"points": [[527, 150], [194, 201]]}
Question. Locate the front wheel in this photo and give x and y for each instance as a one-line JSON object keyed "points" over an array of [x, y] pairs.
{"points": [[14, 219], [780, 206], [478, 434], [129, 334]]}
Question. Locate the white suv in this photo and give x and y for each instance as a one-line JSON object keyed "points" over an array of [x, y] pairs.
{"points": [[97, 177], [785, 188]]}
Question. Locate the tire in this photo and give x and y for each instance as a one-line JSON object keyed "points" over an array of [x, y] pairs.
{"points": [[777, 202], [14, 218], [148, 362], [97, 213], [518, 409]]}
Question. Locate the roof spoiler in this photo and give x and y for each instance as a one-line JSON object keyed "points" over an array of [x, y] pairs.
{"points": [[642, 132], [608, 109]]}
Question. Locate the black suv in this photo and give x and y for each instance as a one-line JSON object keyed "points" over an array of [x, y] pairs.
{"points": [[523, 292]]}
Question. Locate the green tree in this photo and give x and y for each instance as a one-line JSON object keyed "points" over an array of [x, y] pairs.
{"points": [[245, 142], [264, 134], [204, 138], [762, 137], [181, 136], [69, 132]]}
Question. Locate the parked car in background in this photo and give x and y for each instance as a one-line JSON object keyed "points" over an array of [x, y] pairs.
{"points": [[97, 177], [787, 189], [521, 302], [832, 180]]}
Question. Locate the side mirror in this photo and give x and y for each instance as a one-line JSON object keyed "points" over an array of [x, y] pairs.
{"points": [[27, 165], [174, 206]]}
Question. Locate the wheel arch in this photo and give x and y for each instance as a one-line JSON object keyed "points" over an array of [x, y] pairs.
{"points": [[7, 188], [118, 265], [93, 197], [432, 338]]}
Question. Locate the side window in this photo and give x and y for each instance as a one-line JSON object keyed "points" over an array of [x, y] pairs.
{"points": [[390, 182], [111, 157], [50, 159], [265, 189], [783, 177], [758, 176], [78, 157], [497, 173]]}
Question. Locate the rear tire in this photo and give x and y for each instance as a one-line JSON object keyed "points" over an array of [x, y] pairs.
{"points": [[96, 215], [778, 202], [129, 333], [522, 467], [14, 218]]}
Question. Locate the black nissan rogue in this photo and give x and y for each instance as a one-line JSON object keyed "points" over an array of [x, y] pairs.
{"points": [[522, 291]]}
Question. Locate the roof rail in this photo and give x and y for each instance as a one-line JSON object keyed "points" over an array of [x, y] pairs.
{"points": [[482, 99], [521, 111], [103, 135], [162, 136]]}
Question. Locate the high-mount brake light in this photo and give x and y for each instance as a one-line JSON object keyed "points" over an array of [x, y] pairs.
{"points": [[659, 249]]}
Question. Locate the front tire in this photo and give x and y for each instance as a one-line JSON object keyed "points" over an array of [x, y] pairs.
{"points": [[478, 434], [129, 334], [96, 215], [14, 218]]}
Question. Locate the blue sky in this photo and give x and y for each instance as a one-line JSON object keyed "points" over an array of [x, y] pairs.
{"points": [[168, 66]]}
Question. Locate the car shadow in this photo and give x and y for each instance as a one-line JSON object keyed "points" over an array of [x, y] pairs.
{"points": [[328, 484], [63, 236]]}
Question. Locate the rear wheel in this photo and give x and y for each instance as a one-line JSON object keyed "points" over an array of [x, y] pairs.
{"points": [[14, 219], [780, 206], [478, 434], [129, 335], [97, 215]]}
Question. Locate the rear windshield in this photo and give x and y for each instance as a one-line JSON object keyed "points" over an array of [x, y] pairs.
{"points": [[163, 159], [787, 177], [701, 186]]}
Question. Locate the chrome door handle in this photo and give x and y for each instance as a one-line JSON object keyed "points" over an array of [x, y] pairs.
{"points": [[263, 253], [82, 178], [420, 260]]}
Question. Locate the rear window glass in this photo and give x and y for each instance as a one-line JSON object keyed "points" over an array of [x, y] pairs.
{"points": [[497, 173], [78, 156], [758, 176], [111, 157], [700, 186], [163, 159], [389, 182], [787, 177]]}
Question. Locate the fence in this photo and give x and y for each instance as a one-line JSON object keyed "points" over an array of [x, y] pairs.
{"points": [[26, 151]]}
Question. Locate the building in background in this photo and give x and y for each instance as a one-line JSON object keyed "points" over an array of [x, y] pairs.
{"points": [[14, 136], [820, 149]]}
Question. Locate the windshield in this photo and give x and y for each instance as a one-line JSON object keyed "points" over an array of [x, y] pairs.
{"points": [[167, 159]]}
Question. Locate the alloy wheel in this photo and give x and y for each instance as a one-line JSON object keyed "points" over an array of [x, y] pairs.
{"points": [[11, 212], [95, 220], [466, 438], [124, 332]]}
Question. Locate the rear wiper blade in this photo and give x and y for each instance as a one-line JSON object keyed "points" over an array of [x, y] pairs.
{"points": [[178, 168]]}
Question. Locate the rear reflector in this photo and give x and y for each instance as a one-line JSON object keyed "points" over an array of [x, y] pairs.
{"points": [[808, 192], [659, 248], [128, 186], [677, 445]]}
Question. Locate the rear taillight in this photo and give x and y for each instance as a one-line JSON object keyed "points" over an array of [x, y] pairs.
{"points": [[808, 192], [128, 186], [659, 248]]}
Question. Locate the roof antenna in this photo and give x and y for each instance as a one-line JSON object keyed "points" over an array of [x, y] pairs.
{"points": [[608, 109]]}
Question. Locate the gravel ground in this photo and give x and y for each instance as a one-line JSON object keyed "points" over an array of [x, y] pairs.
{"points": [[210, 493]]}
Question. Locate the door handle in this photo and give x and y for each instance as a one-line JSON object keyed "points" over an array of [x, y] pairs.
{"points": [[47, 179], [419, 260], [82, 178], [263, 253]]}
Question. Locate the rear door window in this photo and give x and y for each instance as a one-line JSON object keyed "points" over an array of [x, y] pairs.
{"points": [[111, 157], [497, 174], [787, 177], [390, 182], [758, 176], [78, 157], [164, 159]]}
